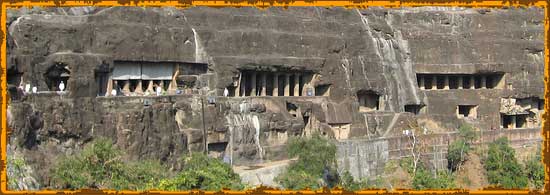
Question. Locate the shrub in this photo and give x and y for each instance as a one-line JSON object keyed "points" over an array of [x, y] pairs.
{"points": [[424, 179], [502, 166], [535, 171], [458, 150], [203, 172], [349, 183], [99, 165], [315, 164]]}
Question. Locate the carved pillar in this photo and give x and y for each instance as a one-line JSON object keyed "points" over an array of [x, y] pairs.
{"points": [[150, 89], [472, 82], [263, 84], [421, 83], [434, 82], [460, 82], [276, 84], [109, 87], [446, 82], [126, 87], [243, 84], [296, 85], [138, 89], [513, 122], [253, 85], [287, 85]]}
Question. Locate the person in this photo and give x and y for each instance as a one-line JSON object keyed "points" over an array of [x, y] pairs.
{"points": [[34, 89], [225, 92], [20, 90], [61, 86], [159, 90], [27, 88]]}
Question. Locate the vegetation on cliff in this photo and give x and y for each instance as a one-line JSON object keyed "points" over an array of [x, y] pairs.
{"points": [[315, 167], [100, 165], [502, 166], [202, 172]]}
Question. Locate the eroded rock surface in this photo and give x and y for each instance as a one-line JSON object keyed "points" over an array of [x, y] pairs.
{"points": [[358, 76]]}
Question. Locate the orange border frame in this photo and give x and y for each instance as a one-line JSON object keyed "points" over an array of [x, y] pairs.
{"points": [[283, 3]]}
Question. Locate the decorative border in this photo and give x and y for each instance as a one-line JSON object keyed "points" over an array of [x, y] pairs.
{"points": [[545, 133]]}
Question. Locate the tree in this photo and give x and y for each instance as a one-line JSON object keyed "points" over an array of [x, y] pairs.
{"points": [[535, 170], [425, 179], [349, 183], [458, 150], [502, 166], [203, 172], [100, 165], [316, 163]]}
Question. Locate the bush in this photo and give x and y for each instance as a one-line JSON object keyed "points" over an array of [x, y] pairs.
{"points": [[424, 179], [349, 183], [535, 170], [502, 166], [315, 164], [456, 154], [205, 173], [458, 150], [99, 165]]}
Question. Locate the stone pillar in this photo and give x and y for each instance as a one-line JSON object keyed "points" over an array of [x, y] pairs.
{"points": [[446, 82], [296, 85], [483, 82], [150, 88], [472, 82], [287, 85], [460, 82], [513, 122], [253, 85], [434, 82], [126, 87], [243, 84], [263, 84], [276, 84], [109, 88], [421, 83], [138, 89]]}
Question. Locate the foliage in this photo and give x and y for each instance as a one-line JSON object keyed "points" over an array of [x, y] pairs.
{"points": [[535, 170], [349, 183], [424, 179], [407, 164], [458, 150], [316, 162], [456, 154], [99, 165], [502, 166], [203, 172]]}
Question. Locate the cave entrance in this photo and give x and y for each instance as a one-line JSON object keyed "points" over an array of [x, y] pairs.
{"points": [[368, 101], [217, 150], [467, 111], [413, 108], [273, 83], [322, 90], [57, 74]]}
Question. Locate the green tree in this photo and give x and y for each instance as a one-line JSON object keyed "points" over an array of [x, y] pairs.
{"points": [[349, 183], [502, 166], [316, 161], [99, 165], [458, 150], [425, 179], [535, 170], [205, 173]]}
